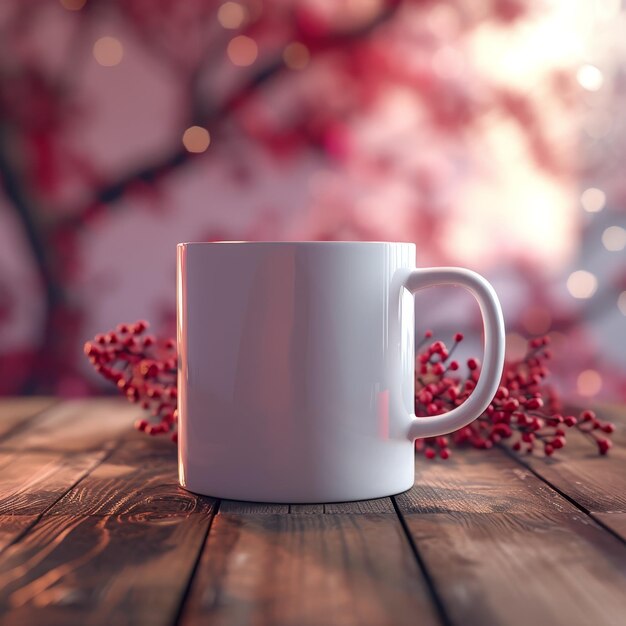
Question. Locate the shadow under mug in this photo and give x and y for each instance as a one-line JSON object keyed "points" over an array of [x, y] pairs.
{"points": [[296, 368]]}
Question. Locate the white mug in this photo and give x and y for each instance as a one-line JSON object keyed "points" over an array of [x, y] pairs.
{"points": [[296, 368]]}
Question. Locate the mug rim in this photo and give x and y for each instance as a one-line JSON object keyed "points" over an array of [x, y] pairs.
{"points": [[299, 243]]}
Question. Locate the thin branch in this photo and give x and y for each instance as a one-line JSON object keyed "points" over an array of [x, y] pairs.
{"points": [[149, 173]]}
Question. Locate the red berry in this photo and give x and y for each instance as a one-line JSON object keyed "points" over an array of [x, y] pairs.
{"points": [[604, 445], [122, 328], [458, 337], [429, 453], [558, 442], [587, 416], [454, 366], [502, 393], [517, 445], [534, 403], [175, 437], [472, 363], [548, 449], [570, 420], [438, 369], [138, 327], [510, 405], [425, 397], [432, 409], [444, 454], [141, 425], [608, 428], [428, 334]]}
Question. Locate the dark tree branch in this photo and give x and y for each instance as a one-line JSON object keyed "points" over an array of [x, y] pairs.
{"points": [[111, 192]]}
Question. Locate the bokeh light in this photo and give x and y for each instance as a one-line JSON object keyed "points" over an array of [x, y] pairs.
{"points": [[196, 139], [582, 284], [621, 303], [590, 77], [108, 51], [589, 383], [515, 347], [537, 320], [232, 15], [296, 56], [242, 51], [614, 238], [593, 200]]}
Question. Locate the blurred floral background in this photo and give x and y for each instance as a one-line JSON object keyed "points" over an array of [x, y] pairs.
{"points": [[489, 132]]}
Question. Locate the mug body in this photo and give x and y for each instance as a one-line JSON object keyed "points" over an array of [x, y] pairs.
{"points": [[296, 370]]}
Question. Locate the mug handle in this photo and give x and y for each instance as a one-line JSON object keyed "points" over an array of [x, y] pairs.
{"points": [[493, 360]]}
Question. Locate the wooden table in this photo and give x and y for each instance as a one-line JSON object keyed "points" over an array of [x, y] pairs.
{"points": [[95, 530]]}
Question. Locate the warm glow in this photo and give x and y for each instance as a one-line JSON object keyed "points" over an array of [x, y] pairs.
{"points": [[232, 15], [242, 51], [589, 383], [589, 77], [515, 347], [296, 56], [621, 303], [73, 5], [593, 200], [448, 62], [196, 139], [582, 284], [108, 51], [536, 320], [614, 238]]}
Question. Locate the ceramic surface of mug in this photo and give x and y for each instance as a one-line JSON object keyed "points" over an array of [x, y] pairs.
{"points": [[296, 368]]}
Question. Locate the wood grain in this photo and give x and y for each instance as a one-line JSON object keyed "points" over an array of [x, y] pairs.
{"points": [[75, 426], [118, 548], [128, 569], [501, 547], [615, 521], [16, 412], [299, 570], [40, 462], [596, 483], [521, 569], [477, 481]]}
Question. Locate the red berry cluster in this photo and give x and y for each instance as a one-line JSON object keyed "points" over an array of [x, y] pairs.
{"points": [[525, 410], [144, 368]]}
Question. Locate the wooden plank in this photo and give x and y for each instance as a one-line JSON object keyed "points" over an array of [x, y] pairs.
{"points": [[140, 476], [128, 569], [306, 509], [253, 508], [75, 426], [520, 569], [359, 507], [119, 548], [477, 481], [40, 463], [615, 521], [596, 483], [501, 547], [15, 412], [308, 570]]}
